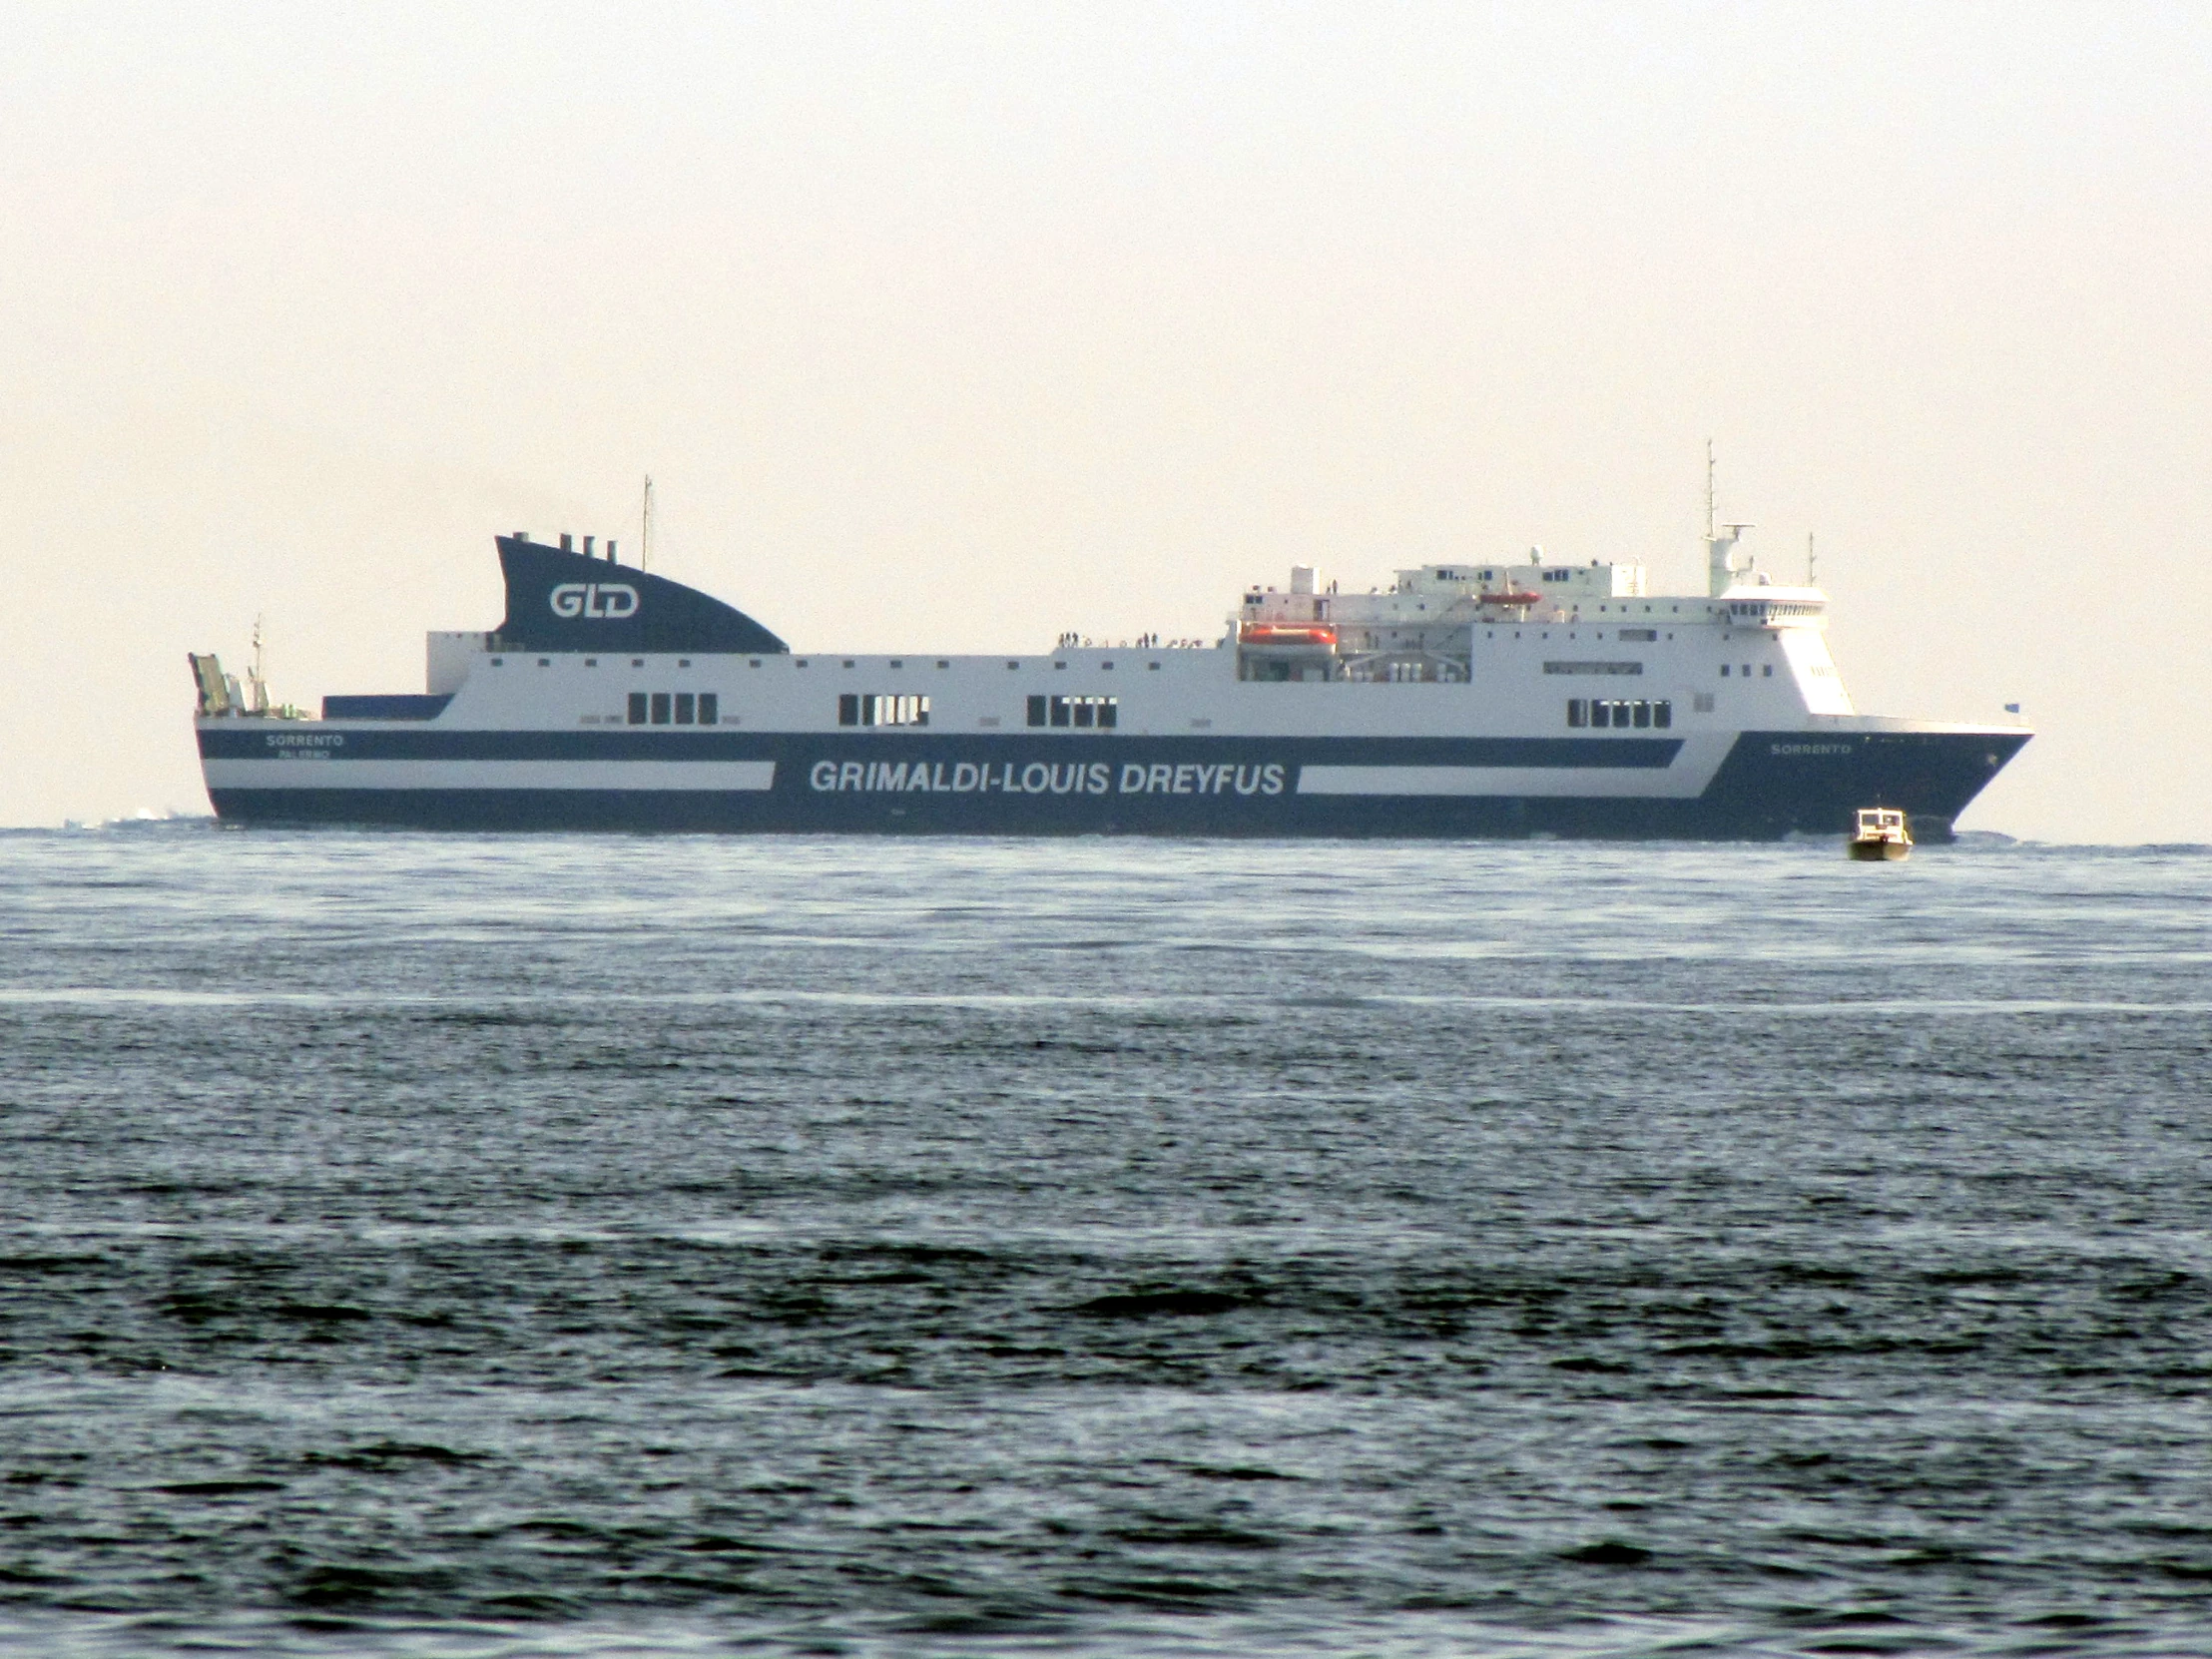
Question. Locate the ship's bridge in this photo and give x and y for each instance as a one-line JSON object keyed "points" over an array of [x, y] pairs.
{"points": [[1763, 606]]}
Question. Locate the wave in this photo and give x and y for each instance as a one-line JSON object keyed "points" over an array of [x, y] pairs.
{"points": [[145, 818]]}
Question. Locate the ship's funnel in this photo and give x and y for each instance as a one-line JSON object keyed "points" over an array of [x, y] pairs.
{"points": [[560, 600]]}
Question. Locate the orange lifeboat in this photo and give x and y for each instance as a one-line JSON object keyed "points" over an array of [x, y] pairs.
{"points": [[1507, 598], [1287, 633]]}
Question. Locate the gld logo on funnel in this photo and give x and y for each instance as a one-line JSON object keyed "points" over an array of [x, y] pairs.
{"points": [[610, 600]]}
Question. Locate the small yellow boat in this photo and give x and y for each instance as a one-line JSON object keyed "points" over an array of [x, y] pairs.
{"points": [[1880, 834]]}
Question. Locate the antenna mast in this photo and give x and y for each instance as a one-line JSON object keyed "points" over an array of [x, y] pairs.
{"points": [[645, 527], [255, 678], [1721, 565], [1809, 582]]}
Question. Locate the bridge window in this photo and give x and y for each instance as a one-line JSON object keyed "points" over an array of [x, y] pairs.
{"points": [[710, 709], [687, 709], [1578, 711], [659, 708], [637, 708]]}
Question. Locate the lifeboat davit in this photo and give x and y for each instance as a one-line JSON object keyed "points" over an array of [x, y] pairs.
{"points": [[1507, 598], [1287, 633]]}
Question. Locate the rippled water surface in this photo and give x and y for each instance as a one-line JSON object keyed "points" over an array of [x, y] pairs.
{"points": [[458, 1246]]}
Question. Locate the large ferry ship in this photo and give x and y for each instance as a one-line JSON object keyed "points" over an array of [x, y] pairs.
{"points": [[1514, 698]]}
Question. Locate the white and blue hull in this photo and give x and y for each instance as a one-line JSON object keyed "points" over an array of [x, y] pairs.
{"points": [[1737, 784]]}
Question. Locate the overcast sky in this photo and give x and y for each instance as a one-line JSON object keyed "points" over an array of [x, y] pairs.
{"points": [[956, 327]]}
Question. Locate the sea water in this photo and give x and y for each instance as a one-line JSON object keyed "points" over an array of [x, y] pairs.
{"points": [[627, 1245]]}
